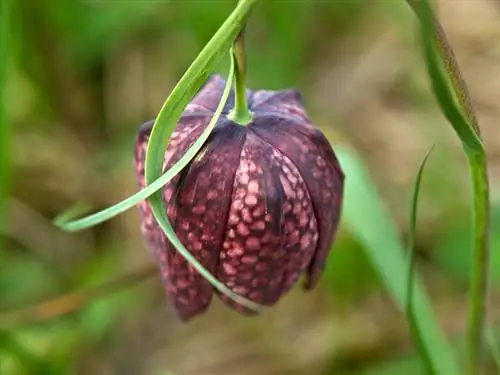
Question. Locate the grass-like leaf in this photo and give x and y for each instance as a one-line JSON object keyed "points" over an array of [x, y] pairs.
{"points": [[410, 313], [413, 226], [366, 217], [441, 83], [454, 102], [169, 114]]}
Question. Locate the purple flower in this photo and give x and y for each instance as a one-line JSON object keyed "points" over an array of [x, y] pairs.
{"points": [[258, 206]]}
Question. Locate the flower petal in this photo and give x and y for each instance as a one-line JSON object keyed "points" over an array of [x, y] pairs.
{"points": [[313, 156], [301, 233], [210, 94], [284, 102], [203, 200], [189, 128], [262, 254]]}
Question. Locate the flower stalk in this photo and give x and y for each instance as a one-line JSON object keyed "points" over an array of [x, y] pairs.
{"points": [[240, 113], [455, 101]]}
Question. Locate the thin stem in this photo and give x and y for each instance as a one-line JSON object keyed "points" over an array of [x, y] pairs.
{"points": [[481, 260], [481, 201], [240, 113], [5, 57]]}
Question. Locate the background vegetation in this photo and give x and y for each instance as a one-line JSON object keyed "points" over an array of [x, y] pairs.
{"points": [[82, 75]]}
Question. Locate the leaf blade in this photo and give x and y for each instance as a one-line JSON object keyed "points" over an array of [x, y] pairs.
{"points": [[440, 82], [172, 109], [410, 312], [367, 218]]}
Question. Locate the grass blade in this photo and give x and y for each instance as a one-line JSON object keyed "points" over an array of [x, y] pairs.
{"points": [[410, 312], [169, 114], [413, 227], [367, 219], [440, 82], [455, 103]]}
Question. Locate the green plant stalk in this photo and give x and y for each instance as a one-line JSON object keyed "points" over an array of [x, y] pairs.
{"points": [[5, 17], [455, 102], [240, 113], [451, 66], [410, 310], [481, 259]]}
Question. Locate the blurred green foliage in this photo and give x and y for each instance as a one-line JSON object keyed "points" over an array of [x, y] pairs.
{"points": [[66, 60]]}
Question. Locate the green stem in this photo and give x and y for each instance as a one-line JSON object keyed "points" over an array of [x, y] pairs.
{"points": [[240, 113], [481, 260], [467, 128]]}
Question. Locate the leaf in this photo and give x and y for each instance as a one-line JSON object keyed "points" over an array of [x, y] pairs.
{"points": [[154, 165], [169, 114], [410, 312], [413, 226], [440, 82], [465, 125], [366, 217]]}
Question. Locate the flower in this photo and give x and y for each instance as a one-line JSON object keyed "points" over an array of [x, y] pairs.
{"points": [[258, 206]]}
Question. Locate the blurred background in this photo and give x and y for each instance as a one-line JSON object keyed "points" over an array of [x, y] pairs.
{"points": [[83, 75]]}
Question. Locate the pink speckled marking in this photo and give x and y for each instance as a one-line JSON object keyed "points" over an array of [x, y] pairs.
{"points": [[314, 158], [273, 253], [259, 206], [188, 298], [283, 103]]}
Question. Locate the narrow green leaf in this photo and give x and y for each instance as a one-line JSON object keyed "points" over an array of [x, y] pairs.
{"points": [[192, 80], [169, 114], [463, 121], [157, 203], [440, 83], [410, 312], [367, 218], [413, 228]]}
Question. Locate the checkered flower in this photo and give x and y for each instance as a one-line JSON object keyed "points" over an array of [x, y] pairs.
{"points": [[258, 206]]}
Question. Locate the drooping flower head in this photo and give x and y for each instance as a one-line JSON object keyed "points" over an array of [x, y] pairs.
{"points": [[258, 206]]}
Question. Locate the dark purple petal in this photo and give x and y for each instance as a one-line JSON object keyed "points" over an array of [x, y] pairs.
{"points": [[254, 230], [202, 202], [283, 103], [210, 94], [271, 234], [183, 297], [313, 156], [300, 226]]}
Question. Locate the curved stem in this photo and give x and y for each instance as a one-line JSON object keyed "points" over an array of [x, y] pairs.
{"points": [[478, 295], [240, 113]]}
